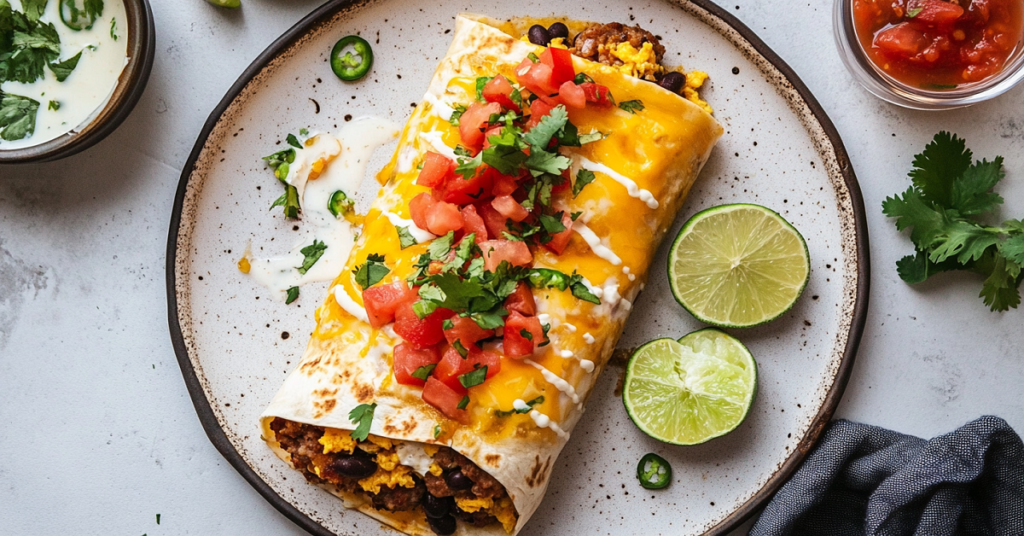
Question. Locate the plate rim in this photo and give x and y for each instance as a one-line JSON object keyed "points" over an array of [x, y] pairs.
{"points": [[217, 436]]}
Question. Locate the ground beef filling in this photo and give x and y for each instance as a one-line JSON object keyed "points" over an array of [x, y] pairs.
{"points": [[460, 478], [595, 42]]}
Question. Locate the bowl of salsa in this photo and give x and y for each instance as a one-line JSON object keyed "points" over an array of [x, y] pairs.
{"points": [[932, 54]]}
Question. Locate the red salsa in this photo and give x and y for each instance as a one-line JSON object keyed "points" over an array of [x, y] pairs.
{"points": [[935, 44]]}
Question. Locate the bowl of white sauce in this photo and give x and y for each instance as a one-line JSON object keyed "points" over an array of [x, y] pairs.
{"points": [[70, 72]]}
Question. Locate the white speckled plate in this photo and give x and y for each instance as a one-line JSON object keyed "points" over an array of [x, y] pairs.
{"points": [[235, 346]]}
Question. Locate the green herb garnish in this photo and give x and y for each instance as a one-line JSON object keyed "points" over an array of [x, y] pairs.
{"points": [[371, 272], [293, 294], [311, 254], [363, 415], [632, 106], [423, 372], [405, 238]]}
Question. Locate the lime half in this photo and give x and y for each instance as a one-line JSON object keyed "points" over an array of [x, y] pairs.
{"points": [[738, 266], [688, 391]]}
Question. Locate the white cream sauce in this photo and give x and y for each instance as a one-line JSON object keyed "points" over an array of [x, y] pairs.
{"points": [[436, 142], [556, 380], [88, 88], [587, 365], [348, 304], [543, 421], [630, 185], [589, 338], [356, 141], [413, 455], [440, 108], [596, 244]]}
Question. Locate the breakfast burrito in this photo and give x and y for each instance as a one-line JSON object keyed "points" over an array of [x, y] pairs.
{"points": [[494, 273]]}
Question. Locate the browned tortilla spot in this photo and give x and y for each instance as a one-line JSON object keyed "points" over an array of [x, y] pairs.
{"points": [[538, 472], [492, 459], [363, 393]]}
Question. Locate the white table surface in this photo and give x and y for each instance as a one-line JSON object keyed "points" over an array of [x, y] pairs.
{"points": [[98, 432]]}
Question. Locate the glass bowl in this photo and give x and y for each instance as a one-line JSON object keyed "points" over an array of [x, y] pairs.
{"points": [[887, 88]]}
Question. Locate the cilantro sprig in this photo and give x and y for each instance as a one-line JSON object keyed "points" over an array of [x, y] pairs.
{"points": [[946, 208], [362, 416]]}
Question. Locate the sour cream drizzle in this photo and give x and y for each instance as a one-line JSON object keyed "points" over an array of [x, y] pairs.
{"points": [[631, 185], [595, 243], [420, 235], [440, 107], [434, 139], [557, 381], [356, 141]]}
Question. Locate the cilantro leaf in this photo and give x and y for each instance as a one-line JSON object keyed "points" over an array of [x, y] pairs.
{"points": [[293, 141], [529, 406], [913, 211], [32, 46], [632, 106], [290, 201], [966, 241], [439, 248], [552, 224], [437, 431], [457, 344], [547, 278], [423, 372], [371, 272], [293, 294], [488, 320], [1000, 291], [63, 69], [459, 109], [1013, 249], [917, 268], [540, 135], [312, 253], [463, 403], [971, 191], [17, 117], [34, 9], [405, 238], [935, 169], [480, 83], [363, 416], [581, 291], [467, 166], [591, 137], [474, 378], [583, 178], [541, 161], [505, 153]]}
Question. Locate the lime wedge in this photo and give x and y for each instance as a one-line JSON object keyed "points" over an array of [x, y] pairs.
{"points": [[688, 391], [738, 266]]}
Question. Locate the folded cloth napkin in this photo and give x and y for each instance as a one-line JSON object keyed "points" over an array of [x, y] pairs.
{"points": [[866, 480]]}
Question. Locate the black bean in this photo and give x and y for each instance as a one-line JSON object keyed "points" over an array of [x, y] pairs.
{"points": [[673, 81], [442, 525], [436, 507], [354, 466], [557, 30], [458, 481], [539, 35]]}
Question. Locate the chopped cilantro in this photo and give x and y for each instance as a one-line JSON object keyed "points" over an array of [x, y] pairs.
{"points": [[474, 378], [437, 431], [583, 178], [63, 69], [293, 294], [459, 109], [371, 272], [540, 135], [363, 415], [526, 334], [541, 161], [591, 137], [447, 324], [632, 106], [460, 348], [480, 83], [533, 57], [439, 248], [421, 373], [581, 291], [17, 117], [293, 141], [312, 253], [529, 406], [405, 238], [463, 403], [583, 78], [54, 106], [552, 224]]}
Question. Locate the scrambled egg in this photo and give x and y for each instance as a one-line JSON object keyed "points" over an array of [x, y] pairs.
{"points": [[381, 442], [694, 80], [399, 476], [505, 512], [639, 63], [435, 469], [387, 460], [558, 42], [431, 450], [474, 504], [335, 440]]}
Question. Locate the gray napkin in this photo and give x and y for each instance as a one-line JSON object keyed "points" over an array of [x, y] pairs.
{"points": [[865, 480]]}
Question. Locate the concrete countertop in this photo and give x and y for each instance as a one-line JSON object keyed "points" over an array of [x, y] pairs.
{"points": [[99, 433]]}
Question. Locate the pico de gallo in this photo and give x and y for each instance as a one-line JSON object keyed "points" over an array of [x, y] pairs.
{"points": [[939, 44], [503, 195]]}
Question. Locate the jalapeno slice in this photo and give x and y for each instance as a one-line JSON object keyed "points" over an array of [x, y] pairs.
{"points": [[653, 471], [347, 66]]}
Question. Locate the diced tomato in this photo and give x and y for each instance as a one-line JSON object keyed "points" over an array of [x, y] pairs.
{"points": [[421, 332], [408, 359], [564, 185], [474, 223], [522, 334], [510, 208], [538, 109], [572, 95], [493, 220], [474, 121], [466, 331], [445, 399], [500, 90], [560, 61], [537, 78], [596, 93], [443, 217], [901, 40], [938, 12], [559, 241], [382, 301], [463, 191], [522, 300], [419, 207], [503, 184], [493, 131], [453, 365], [436, 169], [515, 252]]}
